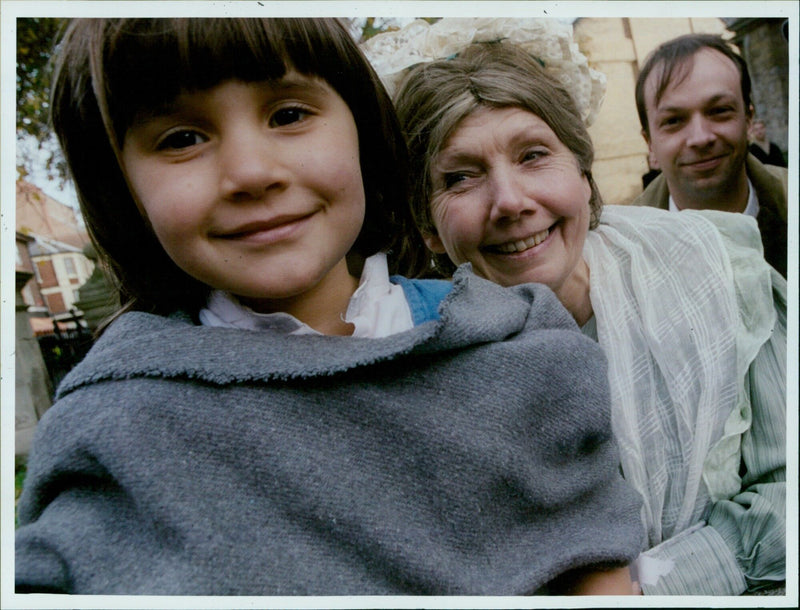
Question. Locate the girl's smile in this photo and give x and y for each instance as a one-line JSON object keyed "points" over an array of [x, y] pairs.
{"points": [[255, 189], [267, 231]]}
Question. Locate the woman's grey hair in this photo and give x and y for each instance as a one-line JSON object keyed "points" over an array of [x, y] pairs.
{"points": [[435, 97]]}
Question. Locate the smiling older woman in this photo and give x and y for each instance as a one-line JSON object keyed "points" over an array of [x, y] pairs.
{"points": [[691, 317]]}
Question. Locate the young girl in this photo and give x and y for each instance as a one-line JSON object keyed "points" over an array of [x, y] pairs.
{"points": [[273, 414]]}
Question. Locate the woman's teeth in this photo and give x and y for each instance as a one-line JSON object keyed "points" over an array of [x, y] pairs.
{"points": [[523, 244]]}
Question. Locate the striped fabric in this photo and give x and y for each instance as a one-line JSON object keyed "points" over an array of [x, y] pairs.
{"points": [[693, 322]]}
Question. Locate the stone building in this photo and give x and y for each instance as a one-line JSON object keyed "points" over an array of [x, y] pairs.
{"points": [[764, 45]]}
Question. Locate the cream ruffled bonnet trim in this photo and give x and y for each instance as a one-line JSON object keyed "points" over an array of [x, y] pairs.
{"points": [[549, 40]]}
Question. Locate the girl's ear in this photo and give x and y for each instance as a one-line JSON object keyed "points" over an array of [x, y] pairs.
{"points": [[434, 244]]}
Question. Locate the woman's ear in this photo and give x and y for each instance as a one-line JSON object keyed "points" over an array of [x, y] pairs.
{"points": [[434, 244]]}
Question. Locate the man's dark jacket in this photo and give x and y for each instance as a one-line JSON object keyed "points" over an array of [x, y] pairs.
{"points": [[769, 183]]}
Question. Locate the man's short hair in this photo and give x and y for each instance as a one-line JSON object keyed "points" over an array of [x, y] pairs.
{"points": [[676, 57]]}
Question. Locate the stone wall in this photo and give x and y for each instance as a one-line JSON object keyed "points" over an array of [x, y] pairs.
{"points": [[764, 46]]}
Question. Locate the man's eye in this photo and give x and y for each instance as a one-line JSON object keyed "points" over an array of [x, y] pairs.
{"points": [[287, 116], [671, 121], [721, 110], [180, 139]]}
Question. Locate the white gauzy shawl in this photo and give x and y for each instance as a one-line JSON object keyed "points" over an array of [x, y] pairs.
{"points": [[680, 330]]}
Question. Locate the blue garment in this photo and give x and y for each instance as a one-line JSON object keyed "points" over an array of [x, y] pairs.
{"points": [[423, 296]]}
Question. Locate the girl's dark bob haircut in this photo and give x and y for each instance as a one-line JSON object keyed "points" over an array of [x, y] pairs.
{"points": [[109, 70]]}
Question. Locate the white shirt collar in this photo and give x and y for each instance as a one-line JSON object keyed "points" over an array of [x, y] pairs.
{"points": [[750, 210], [752, 201], [377, 308]]}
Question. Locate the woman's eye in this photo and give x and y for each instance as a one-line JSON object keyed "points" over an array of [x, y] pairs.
{"points": [[287, 116], [453, 178], [532, 155], [180, 139]]}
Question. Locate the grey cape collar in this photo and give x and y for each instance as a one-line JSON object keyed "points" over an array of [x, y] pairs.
{"points": [[146, 345]]}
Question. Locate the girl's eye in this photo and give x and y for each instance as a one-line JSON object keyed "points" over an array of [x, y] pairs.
{"points": [[180, 139], [287, 116]]}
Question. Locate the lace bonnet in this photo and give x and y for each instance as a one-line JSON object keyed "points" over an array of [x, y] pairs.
{"points": [[549, 40]]}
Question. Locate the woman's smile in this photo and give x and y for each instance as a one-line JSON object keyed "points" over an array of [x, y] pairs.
{"points": [[520, 245], [510, 198]]}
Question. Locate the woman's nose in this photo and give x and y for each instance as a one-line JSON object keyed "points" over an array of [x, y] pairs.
{"points": [[510, 199], [250, 165]]}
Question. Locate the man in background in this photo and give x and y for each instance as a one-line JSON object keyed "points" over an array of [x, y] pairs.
{"points": [[762, 148], [693, 100]]}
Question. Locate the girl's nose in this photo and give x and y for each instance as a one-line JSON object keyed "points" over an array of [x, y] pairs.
{"points": [[700, 132], [510, 199], [250, 165]]}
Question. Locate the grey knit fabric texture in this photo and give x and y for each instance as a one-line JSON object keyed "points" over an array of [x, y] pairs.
{"points": [[471, 455]]}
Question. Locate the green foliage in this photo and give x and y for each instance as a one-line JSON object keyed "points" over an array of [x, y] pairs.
{"points": [[374, 26], [365, 28], [20, 468], [36, 38]]}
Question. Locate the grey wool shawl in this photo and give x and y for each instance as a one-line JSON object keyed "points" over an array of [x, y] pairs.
{"points": [[469, 455]]}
